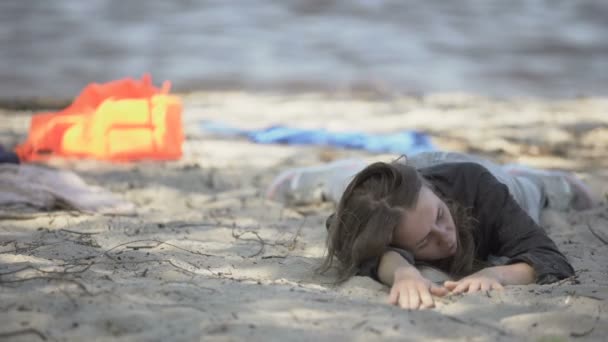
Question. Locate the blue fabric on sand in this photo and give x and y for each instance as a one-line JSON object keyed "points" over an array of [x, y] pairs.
{"points": [[409, 142]]}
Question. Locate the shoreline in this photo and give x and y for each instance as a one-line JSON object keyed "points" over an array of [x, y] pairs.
{"points": [[368, 92]]}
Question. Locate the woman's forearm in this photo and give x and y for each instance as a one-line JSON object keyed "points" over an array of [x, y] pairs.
{"points": [[514, 274], [391, 262]]}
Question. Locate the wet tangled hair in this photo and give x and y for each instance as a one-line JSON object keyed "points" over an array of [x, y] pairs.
{"points": [[372, 206]]}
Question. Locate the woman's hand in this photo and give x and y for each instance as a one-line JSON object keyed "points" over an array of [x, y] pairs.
{"points": [[483, 280], [411, 290], [493, 278], [473, 283]]}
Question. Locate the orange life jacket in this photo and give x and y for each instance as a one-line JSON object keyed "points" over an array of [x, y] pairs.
{"points": [[122, 120]]}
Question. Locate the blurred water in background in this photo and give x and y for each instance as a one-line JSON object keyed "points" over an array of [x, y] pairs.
{"points": [[547, 48]]}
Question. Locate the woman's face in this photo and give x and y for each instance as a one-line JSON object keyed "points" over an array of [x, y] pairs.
{"points": [[428, 229]]}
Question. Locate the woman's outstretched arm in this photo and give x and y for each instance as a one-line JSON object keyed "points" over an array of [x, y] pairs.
{"points": [[506, 230], [515, 274], [390, 262]]}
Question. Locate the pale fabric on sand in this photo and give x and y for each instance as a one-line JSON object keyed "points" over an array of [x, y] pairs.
{"points": [[30, 188], [532, 189]]}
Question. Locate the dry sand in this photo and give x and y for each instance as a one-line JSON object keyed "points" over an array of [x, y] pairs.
{"points": [[208, 258]]}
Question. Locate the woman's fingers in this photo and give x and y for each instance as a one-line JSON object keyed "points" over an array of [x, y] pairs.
{"points": [[393, 297], [439, 291], [414, 298], [462, 286], [471, 285], [415, 295], [426, 300], [474, 286], [450, 285], [404, 299], [497, 286]]}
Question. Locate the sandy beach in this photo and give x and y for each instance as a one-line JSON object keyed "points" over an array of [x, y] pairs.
{"points": [[208, 258]]}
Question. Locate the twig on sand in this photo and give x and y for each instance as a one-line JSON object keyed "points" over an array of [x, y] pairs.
{"points": [[135, 248], [358, 325], [158, 243], [28, 331], [159, 261], [565, 280], [289, 244], [170, 262], [275, 256], [64, 272], [78, 233], [259, 239], [598, 236]]}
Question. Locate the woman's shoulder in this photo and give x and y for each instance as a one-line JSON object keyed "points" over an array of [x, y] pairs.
{"points": [[458, 181], [453, 170]]}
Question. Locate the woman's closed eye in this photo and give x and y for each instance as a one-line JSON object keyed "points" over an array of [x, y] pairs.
{"points": [[429, 237], [424, 243]]}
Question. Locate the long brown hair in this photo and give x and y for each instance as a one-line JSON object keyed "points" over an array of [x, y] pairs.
{"points": [[372, 206]]}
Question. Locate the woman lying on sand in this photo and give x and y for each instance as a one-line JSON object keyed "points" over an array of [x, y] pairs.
{"points": [[475, 220]]}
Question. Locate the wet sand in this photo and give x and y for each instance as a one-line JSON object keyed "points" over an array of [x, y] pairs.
{"points": [[208, 258]]}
